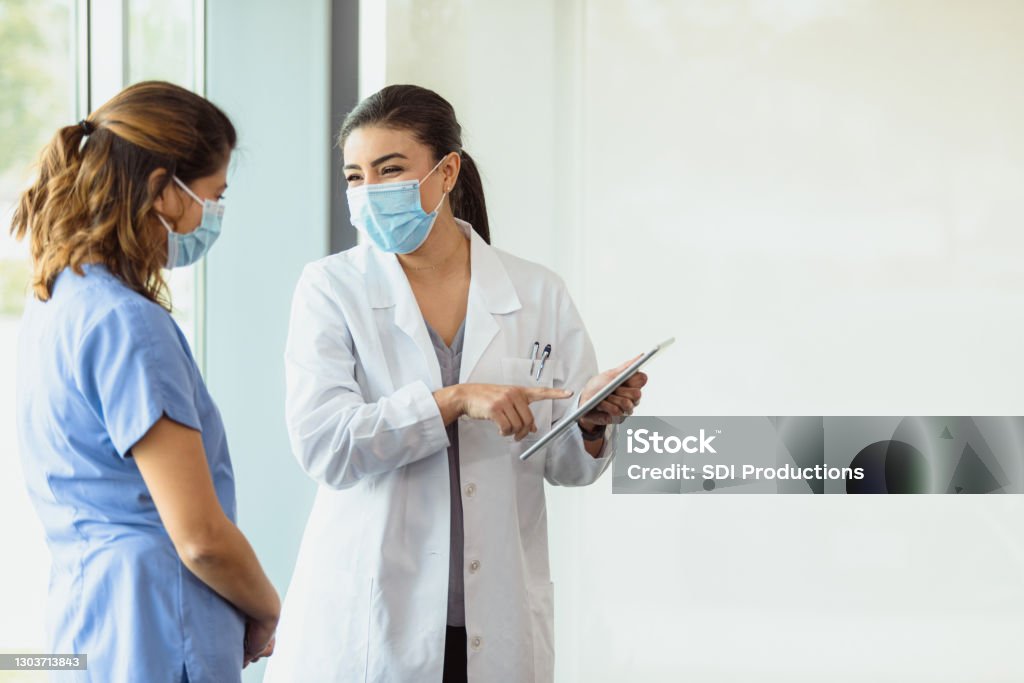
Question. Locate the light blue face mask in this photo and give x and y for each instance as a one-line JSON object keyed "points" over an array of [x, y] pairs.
{"points": [[185, 248], [391, 213]]}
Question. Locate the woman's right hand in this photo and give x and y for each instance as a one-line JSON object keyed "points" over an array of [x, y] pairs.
{"points": [[259, 639], [506, 405]]}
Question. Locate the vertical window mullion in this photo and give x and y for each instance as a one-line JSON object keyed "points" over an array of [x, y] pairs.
{"points": [[199, 85], [81, 95], [108, 59]]}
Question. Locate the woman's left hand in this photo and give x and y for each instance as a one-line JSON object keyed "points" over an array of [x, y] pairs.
{"points": [[619, 404], [259, 640], [267, 651]]}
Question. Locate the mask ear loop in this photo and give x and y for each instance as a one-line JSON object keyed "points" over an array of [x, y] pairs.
{"points": [[433, 169], [445, 193], [163, 221], [190, 194], [189, 190], [172, 244]]}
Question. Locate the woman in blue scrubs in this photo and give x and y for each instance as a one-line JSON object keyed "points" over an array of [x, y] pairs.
{"points": [[123, 450]]}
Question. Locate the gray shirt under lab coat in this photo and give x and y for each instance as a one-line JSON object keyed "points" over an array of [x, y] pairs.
{"points": [[450, 360]]}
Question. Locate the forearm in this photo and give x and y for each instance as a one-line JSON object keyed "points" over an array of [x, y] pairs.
{"points": [[226, 563], [594, 447], [340, 440]]}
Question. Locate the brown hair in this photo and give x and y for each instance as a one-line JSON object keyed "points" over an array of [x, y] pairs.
{"points": [[93, 199], [431, 119]]}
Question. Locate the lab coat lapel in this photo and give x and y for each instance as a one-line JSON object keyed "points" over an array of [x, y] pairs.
{"points": [[491, 293], [481, 328], [393, 290]]}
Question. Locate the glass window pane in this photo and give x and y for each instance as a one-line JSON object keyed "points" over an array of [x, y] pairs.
{"points": [[37, 79], [161, 41], [162, 46]]}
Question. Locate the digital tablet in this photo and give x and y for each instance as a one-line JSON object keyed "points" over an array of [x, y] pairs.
{"points": [[570, 419]]}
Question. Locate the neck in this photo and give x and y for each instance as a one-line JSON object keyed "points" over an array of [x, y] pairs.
{"points": [[441, 254]]}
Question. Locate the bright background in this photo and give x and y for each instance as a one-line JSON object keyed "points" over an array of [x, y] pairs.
{"points": [[822, 200]]}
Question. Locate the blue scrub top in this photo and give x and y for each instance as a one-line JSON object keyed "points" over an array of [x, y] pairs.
{"points": [[98, 365]]}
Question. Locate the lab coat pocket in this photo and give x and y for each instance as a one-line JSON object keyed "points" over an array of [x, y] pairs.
{"points": [[516, 371]]}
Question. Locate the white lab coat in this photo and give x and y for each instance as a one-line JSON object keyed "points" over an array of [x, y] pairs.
{"points": [[368, 598]]}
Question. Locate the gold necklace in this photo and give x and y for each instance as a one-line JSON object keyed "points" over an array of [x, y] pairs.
{"points": [[439, 263]]}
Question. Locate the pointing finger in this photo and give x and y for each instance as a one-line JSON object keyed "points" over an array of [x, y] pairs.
{"points": [[541, 393]]}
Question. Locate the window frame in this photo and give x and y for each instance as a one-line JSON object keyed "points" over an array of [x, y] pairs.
{"points": [[103, 70]]}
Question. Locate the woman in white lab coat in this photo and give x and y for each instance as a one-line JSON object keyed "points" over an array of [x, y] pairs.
{"points": [[411, 389]]}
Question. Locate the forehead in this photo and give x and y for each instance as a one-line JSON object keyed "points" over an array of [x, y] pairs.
{"points": [[366, 143]]}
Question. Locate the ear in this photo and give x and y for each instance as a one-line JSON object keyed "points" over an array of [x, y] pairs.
{"points": [[450, 169], [167, 203]]}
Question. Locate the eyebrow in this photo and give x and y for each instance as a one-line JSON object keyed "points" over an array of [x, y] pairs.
{"points": [[377, 162]]}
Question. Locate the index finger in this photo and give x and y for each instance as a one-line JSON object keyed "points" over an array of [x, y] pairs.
{"points": [[541, 393]]}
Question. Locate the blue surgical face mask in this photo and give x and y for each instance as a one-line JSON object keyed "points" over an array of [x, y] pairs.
{"points": [[185, 248], [391, 213]]}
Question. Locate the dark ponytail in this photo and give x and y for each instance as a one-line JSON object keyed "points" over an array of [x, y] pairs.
{"points": [[431, 119], [468, 197]]}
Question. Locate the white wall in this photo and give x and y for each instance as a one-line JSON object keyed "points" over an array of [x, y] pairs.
{"points": [[822, 201]]}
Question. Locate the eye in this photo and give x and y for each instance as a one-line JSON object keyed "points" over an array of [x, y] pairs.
{"points": [[221, 197], [353, 177], [388, 170]]}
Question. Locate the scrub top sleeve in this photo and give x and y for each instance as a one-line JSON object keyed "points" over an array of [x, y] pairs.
{"points": [[132, 369]]}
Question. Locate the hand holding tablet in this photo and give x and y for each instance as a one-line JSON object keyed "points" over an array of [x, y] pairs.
{"points": [[594, 401]]}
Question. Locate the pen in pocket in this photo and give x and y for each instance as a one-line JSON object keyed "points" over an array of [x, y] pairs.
{"points": [[543, 359]]}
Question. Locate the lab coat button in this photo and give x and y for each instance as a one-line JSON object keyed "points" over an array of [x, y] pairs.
{"points": [[476, 642], [474, 565], [470, 489]]}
